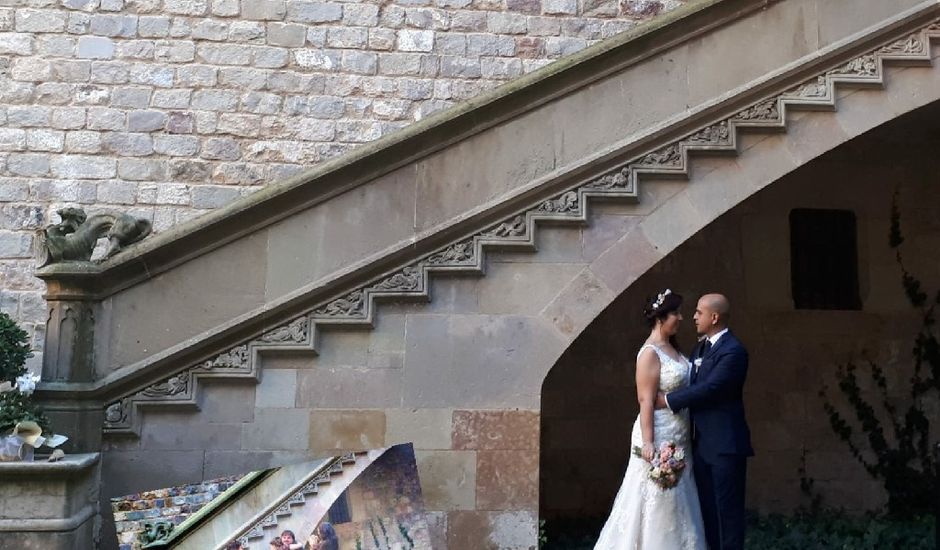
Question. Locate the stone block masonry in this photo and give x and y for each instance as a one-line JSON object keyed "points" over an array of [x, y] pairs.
{"points": [[170, 108], [133, 512]]}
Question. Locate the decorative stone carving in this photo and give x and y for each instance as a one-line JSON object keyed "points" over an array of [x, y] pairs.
{"points": [[295, 332], [407, 280], [70, 327], [817, 87], [462, 253], [516, 227], [235, 358], [351, 305], [762, 112], [620, 179], [156, 531], [913, 44], [180, 388], [74, 238], [175, 385], [865, 65], [116, 413], [667, 157], [716, 134], [354, 305], [566, 202]]}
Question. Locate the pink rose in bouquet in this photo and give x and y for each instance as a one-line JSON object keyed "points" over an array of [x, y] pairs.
{"points": [[667, 464]]}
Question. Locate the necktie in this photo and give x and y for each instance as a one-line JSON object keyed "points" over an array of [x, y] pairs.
{"points": [[708, 346]]}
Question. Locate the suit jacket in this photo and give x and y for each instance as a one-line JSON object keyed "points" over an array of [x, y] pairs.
{"points": [[715, 402]]}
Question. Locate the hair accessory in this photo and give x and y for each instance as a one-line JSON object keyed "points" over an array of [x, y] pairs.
{"points": [[660, 298]]}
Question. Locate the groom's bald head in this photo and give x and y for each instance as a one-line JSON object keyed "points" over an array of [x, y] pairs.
{"points": [[712, 313], [719, 304]]}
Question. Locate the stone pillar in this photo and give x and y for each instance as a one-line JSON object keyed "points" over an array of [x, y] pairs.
{"points": [[50, 504], [61, 499], [68, 359], [69, 352]]}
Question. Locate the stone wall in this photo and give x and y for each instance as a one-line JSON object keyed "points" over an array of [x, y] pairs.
{"points": [[589, 398], [132, 512], [171, 108]]}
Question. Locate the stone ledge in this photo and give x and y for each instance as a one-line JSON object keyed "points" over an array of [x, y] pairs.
{"points": [[68, 466], [70, 523]]}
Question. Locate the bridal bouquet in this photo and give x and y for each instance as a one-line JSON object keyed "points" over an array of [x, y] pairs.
{"points": [[667, 464]]}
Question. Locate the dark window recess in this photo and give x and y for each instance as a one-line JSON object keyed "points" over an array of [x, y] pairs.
{"points": [[339, 510], [824, 259]]}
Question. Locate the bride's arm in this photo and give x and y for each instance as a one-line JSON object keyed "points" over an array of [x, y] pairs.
{"points": [[647, 385]]}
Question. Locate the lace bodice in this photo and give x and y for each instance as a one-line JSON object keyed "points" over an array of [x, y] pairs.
{"points": [[673, 374]]}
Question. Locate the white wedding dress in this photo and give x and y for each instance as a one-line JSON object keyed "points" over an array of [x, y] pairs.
{"points": [[644, 516]]}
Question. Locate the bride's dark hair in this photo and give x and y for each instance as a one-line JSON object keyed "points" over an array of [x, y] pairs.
{"points": [[659, 307]]}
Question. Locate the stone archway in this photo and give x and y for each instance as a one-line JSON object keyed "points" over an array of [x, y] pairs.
{"points": [[588, 398]]}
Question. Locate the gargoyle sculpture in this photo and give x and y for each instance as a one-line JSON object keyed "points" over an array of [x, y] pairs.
{"points": [[156, 531], [74, 238]]}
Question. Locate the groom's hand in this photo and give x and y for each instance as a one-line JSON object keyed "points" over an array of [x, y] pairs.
{"points": [[660, 400]]}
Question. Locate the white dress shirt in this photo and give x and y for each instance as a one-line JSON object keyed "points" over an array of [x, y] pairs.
{"points": [[714, 337]]}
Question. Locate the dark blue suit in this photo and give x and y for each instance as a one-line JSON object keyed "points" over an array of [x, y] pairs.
{"points": [[721, 440]]}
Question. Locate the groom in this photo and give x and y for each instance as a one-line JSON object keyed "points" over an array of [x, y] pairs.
{"points": [[721, 440]]}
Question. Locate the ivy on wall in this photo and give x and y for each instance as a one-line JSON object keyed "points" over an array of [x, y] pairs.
{"points": [[890, 437]]}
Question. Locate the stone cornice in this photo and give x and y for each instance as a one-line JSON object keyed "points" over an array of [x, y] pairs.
{"points": [[368, 162], [68, 466]]}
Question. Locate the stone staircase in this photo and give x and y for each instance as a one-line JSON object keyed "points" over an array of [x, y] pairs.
{"points": [[810, 86]]}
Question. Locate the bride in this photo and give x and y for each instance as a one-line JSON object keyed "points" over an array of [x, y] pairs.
{"points": [[644, 516]]}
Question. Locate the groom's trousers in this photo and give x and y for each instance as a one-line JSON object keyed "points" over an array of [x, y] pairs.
{"points": [[720, 484]]}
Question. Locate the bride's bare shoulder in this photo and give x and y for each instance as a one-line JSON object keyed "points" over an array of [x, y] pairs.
{"points": [[647, 356]]}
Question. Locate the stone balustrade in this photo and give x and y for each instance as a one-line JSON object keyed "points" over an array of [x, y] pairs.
{"points": [[50, 504]]}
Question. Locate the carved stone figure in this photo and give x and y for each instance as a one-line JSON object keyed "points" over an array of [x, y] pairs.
{"points": [[74, 238], [156, 531]]}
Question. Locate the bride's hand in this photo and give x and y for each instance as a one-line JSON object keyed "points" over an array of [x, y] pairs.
{"points": [[649, 451]]}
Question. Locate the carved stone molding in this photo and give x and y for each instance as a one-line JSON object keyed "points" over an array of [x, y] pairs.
{"points": [[70, 334], [356, 306], [156, 531], [241, 361]]}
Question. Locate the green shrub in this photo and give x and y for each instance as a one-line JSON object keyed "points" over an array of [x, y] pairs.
{"points": [[831, 530], [824, 529], [15, 406]]}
